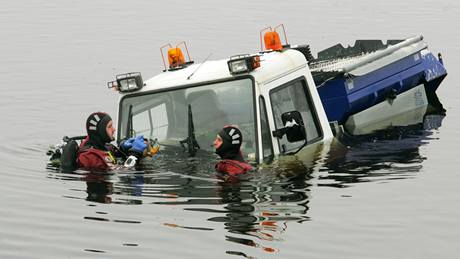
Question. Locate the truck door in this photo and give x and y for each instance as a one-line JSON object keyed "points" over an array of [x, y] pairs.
{"points": [[281, 97]]}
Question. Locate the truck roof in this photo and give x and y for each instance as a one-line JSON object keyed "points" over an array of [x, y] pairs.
{"points": [[273, 64]]}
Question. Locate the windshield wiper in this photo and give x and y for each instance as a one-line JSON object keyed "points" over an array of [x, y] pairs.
{"points": [[129, 126], [192, 144]]}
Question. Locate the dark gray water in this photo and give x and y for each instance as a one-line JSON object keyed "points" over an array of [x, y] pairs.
{"points": [[394, 195]]}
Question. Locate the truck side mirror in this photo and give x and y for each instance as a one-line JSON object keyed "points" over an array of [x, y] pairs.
{"points": [[294, 128]]}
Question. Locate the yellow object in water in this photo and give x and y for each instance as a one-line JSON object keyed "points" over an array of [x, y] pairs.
{"points": [[152, 148]]}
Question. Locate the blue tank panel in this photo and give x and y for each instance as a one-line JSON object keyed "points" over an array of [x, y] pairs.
{"points": [[345, 96], [379, 91], [398, 67], [434, 72], [335, 99]]}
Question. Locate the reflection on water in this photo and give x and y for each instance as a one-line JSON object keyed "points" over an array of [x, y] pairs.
{"points": [[98, 188], [255, 210], [384, 155]]}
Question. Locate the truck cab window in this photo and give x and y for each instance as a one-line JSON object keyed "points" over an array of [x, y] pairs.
{"points": [[149, 126], [166, 115], [294, 96]]}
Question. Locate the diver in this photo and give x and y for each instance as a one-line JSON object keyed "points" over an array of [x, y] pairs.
{"points": [[96, 152], [228, 146]]}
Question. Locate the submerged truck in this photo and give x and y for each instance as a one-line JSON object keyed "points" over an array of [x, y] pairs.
{"points": [[282, 98]]}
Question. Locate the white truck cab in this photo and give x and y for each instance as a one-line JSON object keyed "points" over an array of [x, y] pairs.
{"points": [[270, 96]]}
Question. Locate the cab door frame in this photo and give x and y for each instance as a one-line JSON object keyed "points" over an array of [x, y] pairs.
{"points": [[267, 87]]}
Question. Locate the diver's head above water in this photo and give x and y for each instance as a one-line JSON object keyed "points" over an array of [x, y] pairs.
{"points": [[228, 143], [99, 127]]}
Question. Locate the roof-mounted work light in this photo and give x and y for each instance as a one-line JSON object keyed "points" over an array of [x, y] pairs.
{"points": [[128, 82], [243, 63]]}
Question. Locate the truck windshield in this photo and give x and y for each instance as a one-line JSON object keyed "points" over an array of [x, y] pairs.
{"points": [[165, 116]]}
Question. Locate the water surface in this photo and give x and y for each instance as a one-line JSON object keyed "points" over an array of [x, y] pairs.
{"points": [[391, 195]]}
